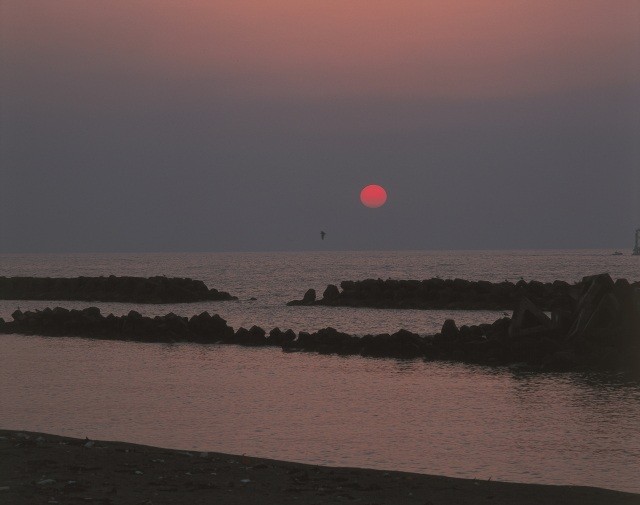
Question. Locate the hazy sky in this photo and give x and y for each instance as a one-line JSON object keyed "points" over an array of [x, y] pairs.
{"points": [[231, 125]]}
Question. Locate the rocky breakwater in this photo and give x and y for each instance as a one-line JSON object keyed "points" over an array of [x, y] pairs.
{"points": [[90, 323], [598, 328], [170, 328], [599, 331], [110, 289], [443, 294]]}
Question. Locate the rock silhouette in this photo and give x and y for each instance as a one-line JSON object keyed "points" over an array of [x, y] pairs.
{"points": [[600, 330], [91, 323], [444, 294], [110, 289]]}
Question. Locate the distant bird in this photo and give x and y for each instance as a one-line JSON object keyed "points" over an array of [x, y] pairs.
{"points": [[322, 234]]}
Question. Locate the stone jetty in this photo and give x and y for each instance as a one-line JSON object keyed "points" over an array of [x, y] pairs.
{"points": [[110, 289], [438, 293], [600, 330]]}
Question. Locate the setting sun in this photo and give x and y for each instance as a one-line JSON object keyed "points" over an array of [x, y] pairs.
{"points": [[373, 196]]}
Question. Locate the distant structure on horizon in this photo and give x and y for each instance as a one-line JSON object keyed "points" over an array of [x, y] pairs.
{"points": [[636, 249]]}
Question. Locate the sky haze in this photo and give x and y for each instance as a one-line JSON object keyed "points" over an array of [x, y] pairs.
{"points": [[250, 125]]}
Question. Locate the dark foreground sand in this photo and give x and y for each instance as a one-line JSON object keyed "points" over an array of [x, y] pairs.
{"points": [[39, 468]]}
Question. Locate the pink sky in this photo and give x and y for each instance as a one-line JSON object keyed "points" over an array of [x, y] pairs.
{"points": [[492, 123], [409, 48]]}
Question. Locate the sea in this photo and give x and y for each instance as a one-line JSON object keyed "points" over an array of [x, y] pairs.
{"points": [[428, 417]]}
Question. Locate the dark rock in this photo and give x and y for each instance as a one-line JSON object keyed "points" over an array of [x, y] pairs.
{"points": [[207, 328], [252, 337], [446, 294], [90, 323], [561, 320], [599, 330], [561, 361], [593, 289], [109, 289], [402, 344], [91, 312], [529, 320], [280, 338], [309, 296], [449, 329], [330, 294], [308, 299]]}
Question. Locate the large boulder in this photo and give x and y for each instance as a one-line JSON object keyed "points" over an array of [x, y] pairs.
{"points": [[331, 294], [309, 297], [207, 328], [255, 336], [449, 329], [529, 320]]}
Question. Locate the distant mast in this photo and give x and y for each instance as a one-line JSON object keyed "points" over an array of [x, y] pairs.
{"points": [[636, 249]]}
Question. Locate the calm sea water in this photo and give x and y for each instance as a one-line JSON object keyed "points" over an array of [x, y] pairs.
{"points": [[439, 418], [275, 278]]}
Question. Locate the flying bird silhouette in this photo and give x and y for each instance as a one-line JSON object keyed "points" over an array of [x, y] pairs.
{"points": [[322, 234]]}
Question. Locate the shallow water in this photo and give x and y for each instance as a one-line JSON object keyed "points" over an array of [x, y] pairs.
{"points": [[439, 418], [435, 418], [275, 278]]}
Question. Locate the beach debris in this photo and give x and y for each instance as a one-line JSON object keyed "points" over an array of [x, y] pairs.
{"points": [[138, 472], [245, 481], [89, 443], [44, 482]]}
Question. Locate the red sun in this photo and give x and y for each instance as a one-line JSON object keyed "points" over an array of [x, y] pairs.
{"points": [[373, 196]]}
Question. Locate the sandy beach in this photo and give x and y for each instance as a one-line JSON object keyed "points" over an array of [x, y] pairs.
{"points": [[39, 468]]}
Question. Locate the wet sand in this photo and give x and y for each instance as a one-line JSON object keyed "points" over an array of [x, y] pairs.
{"points": [[38, 468]]}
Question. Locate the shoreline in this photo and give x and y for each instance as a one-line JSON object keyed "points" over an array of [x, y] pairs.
{"points": [[44, 468]]}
